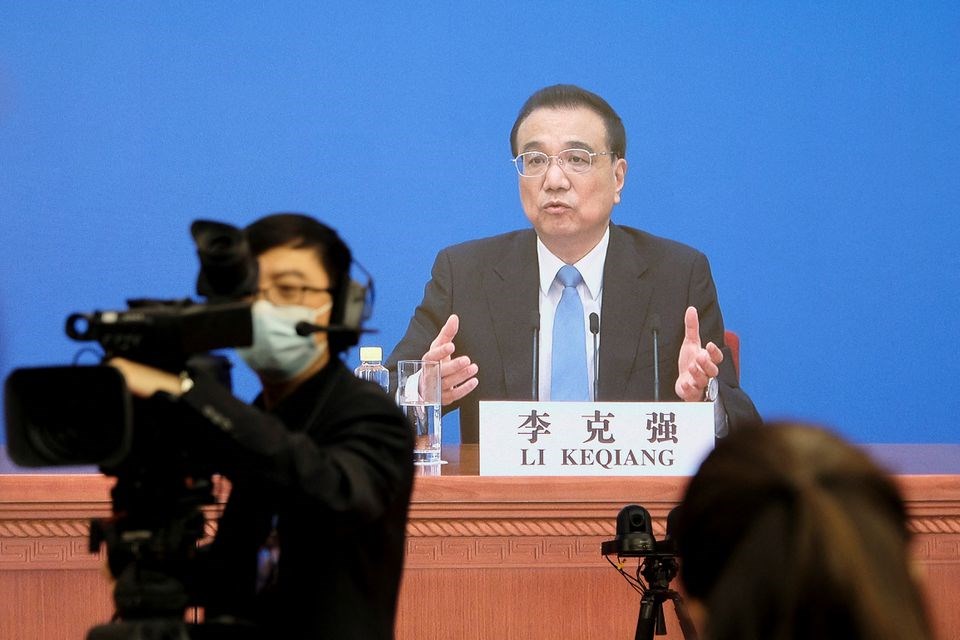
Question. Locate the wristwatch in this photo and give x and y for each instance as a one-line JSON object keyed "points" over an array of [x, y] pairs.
{"points": [[712, 391]]}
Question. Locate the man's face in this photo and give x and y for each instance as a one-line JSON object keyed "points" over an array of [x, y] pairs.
{"points": [[296, 275], [569, 211]]}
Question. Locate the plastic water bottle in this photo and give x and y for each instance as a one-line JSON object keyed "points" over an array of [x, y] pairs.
{"points": [[371, 368]]}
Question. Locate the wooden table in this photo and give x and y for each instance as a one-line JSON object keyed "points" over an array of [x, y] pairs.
{"points": [[487, 557]]}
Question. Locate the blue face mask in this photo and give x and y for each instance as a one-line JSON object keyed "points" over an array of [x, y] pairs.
{"points": [[278, 354]]}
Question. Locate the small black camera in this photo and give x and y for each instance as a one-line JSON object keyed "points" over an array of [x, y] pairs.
{"points": [[634, 534]]}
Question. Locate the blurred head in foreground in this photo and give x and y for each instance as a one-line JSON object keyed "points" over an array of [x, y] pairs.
{"points": [[787, 531]]}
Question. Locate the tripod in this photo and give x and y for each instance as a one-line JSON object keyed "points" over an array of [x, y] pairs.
{"points": [[152, 551], [658, 572], [657, 565]]}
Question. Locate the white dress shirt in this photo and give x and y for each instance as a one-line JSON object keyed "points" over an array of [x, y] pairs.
{"points": [[591, 295]]}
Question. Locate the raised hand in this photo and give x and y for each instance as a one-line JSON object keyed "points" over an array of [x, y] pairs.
{"points": [[696, 363], [457, 375]]}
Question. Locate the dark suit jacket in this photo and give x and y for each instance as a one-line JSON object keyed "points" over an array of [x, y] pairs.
{"points": [[492, 284]]}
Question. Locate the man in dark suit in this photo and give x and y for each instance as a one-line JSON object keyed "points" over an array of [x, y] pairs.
{"points": [[490, 300]]}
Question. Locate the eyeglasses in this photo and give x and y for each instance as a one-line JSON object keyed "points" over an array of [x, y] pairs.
{"points": [[288, 294], [535, 163]]}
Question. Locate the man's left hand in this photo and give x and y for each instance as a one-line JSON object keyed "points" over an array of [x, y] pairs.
{"points": [[697, 364]]}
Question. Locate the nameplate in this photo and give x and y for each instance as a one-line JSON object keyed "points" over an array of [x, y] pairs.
{"points": [[594, 438]]}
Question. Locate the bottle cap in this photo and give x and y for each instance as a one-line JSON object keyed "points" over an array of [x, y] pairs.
{"points": [[371, 354]]}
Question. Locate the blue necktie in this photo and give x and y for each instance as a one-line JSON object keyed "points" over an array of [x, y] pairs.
{"points": [[568, 376]]}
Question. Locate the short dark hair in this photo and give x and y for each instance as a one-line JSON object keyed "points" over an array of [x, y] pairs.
{"points": [[568, 96], [300, 231], [788, 531]]}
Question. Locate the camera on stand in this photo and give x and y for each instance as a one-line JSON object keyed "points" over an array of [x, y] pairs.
{"points": [[161, 454], [656, 568]]}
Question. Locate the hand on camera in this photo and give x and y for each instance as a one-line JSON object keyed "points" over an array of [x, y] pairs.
{"points": [[143, 380]]}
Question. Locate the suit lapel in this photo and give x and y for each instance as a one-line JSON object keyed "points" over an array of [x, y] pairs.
{"points": [[626, 298], [511, 286]]}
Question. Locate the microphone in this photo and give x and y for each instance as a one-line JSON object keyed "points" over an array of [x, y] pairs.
{"points": [[595, 330], [308, 328], [655, 330], [535, 378]]}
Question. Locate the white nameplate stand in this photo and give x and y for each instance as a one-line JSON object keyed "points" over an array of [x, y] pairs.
{"points": [[594, 438]]}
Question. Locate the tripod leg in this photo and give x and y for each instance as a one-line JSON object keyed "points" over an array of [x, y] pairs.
{"points": [[650, 617], [686, 623]]}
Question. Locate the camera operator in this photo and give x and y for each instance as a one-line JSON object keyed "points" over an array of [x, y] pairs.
{"points": [[311, 540]]}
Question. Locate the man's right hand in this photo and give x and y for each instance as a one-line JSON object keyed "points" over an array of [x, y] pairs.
{"points": [[143, 380], [458, 376]]}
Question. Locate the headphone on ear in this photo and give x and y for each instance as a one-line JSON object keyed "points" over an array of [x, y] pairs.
{"points": [[352, 307]]}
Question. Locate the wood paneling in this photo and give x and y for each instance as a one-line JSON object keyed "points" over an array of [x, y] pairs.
{"points": [[486, 557]]}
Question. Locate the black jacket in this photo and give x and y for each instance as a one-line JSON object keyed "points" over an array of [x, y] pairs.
{"points": [[331, 469]]}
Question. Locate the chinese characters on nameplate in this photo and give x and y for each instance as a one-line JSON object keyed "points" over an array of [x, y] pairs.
{"points": [[594, 438]]}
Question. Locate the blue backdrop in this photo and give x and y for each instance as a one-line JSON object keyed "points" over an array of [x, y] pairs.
{"points": [[811, 149]]}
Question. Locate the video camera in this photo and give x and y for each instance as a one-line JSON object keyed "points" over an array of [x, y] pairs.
{"points": [[155, 447], [91, 421]]}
